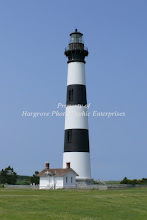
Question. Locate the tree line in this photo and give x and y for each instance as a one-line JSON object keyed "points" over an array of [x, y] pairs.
{"points": [[134, 181], [9, 176]]}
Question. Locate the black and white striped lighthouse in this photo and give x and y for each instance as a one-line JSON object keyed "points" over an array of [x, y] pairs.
{"points": [[76, 139]]}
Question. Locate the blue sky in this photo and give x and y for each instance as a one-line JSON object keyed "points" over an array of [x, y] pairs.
{"points": [[33, 76]]}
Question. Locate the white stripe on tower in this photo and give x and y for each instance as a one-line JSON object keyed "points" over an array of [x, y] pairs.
{"points": [[76, 140], [76, 73]]}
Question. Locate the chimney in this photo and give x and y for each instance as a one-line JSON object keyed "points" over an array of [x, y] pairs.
{"points": [[68, 165], [47, 165]]}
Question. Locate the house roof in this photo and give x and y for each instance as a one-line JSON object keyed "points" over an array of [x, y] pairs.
{"points": [[55, 172]]}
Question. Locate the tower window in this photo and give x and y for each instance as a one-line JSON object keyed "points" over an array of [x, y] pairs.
{"points": [[69, 136], [70, 95], [71, 179]]}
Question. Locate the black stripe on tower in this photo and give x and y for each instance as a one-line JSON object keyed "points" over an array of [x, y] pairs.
{"points": [[76, 140], [76, 94]]}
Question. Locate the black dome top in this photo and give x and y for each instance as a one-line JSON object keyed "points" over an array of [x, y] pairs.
{"points": [[76, 32]]}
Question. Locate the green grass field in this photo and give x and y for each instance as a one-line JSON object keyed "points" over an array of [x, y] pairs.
{"points": [[73, 204]]}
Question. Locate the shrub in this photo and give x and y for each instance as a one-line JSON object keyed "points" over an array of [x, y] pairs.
{"points": [[132, 182]]}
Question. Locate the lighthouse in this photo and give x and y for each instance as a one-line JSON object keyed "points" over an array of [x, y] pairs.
{"points": [[76, 136]]}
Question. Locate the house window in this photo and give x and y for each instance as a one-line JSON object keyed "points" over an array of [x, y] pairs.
{"points": [[69, 136], [71, 179], [70, 95], [66, 179]]}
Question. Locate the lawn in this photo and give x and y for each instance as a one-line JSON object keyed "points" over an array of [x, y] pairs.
{"points": [[30, 204]]}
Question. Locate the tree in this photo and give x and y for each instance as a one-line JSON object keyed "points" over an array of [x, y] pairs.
{"points": [[8, 176], [124, 181], [35, 178]]}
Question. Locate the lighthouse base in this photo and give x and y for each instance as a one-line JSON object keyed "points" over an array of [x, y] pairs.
{"points": [[83, 182], [79, 162]]}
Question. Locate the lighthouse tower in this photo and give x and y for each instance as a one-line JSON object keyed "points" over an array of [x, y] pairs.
{"points": [[76, 138]]}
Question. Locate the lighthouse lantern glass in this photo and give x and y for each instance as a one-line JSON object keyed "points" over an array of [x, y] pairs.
{"points": [[76, 38]]}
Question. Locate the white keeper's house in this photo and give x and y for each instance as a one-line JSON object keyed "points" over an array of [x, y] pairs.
{"points": [[57, 178]]}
